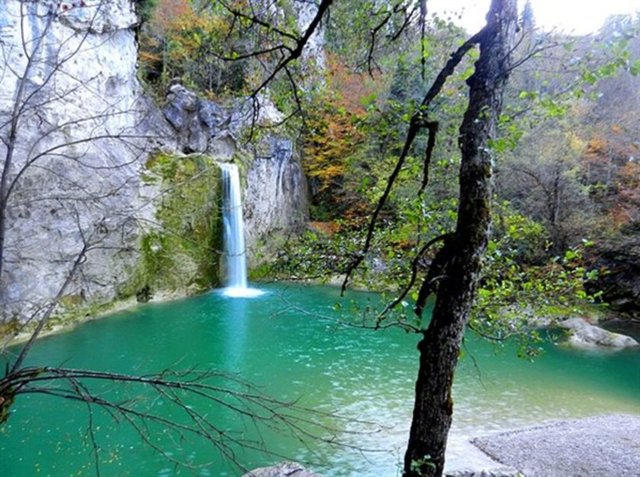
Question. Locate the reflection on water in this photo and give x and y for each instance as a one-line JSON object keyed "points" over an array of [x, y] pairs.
{"points": [[288, 343]]}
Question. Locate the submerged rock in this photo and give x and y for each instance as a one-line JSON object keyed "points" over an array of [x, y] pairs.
{"points": [[283, 469], [585, 334]]}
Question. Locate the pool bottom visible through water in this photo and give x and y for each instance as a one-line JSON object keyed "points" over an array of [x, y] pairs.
{"points": [[291, 344]]}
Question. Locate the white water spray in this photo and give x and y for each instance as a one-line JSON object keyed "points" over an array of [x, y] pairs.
{"points": [[235, 256]]}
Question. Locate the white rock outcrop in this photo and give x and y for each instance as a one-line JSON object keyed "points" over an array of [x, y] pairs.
{"points": [[275, 197], [584, 334], [69, 86]]}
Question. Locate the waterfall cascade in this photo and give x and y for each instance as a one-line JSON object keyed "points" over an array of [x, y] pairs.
{"points": [[235, 256]]}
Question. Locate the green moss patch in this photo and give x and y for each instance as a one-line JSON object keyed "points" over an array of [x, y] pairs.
{"points": [[180, 251]]}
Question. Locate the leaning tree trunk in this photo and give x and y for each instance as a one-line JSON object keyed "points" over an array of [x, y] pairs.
{"points": [[440, 346]]}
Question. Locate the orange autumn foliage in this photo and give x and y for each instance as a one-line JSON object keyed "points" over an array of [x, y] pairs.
{"points": [[181, 42], [351, 89], [167, 12], [334, 132], [156, 31], [325, 228]]}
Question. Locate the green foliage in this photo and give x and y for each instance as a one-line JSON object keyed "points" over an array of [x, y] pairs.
{"points": [[145, 8], [423, 465], [538, 157], [521, 291], [179, 252], [317, 254], [10, 327], [179, 42], [217, 52], [356, 127]]}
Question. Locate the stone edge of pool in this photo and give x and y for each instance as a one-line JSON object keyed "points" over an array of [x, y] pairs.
{"points": [[587, 447]]}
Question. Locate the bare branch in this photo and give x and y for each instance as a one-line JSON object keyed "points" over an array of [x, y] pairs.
{"points": [[49, 309], [297, 51], [416, 124]]}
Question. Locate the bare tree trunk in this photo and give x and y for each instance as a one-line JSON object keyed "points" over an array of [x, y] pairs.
{"points": [[440, 346]]}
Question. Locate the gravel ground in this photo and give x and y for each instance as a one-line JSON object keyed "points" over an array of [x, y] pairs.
{"points": [[602, 446]]}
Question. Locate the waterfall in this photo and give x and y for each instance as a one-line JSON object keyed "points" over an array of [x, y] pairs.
{"points": [[234, 247], [235, 256]]}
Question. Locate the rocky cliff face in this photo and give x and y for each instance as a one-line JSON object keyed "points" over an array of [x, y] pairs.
{"points": [[77, 132], [275, 197], [71, 116]]}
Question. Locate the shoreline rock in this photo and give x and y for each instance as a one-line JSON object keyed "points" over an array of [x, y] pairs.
{"points": [[589, 447], [60, 325], [586, 335]]}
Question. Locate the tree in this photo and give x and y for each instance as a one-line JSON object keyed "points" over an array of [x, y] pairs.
{"points": [[543, 181], [459, 261], [454, 273]]}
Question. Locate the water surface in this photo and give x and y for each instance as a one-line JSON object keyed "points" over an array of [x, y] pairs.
{"points": [[289, 342]]}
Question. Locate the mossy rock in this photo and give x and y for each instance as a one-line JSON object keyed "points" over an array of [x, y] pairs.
{"points": [[181, 252]]}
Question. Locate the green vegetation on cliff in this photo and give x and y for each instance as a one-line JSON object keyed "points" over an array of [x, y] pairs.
{"points": [[180, 251]]}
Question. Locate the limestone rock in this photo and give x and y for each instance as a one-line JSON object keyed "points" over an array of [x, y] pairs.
{"points": [[77, 157], [85, 133], [95, 17], [284, 469], [183, 113], [314, 53], [205, 126], [276, 197], [585, 334]]}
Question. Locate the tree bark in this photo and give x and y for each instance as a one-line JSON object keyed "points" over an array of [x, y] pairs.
{"points": [[440, 346]]}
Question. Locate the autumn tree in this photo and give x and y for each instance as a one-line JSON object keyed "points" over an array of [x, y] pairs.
{"points": [[543, 181], [183, 41], [333, 138]]}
